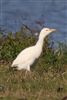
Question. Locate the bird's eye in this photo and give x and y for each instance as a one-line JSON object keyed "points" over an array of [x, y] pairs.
{"points": [[46, 30]]}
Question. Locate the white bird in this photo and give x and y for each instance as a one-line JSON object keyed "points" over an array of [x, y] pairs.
{"points": [[27, 56]]}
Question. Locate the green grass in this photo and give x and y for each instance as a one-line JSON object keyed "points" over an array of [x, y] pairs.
{"points": [[47, 79]]}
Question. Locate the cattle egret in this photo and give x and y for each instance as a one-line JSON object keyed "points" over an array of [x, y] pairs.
{"points": [[27, 56]]}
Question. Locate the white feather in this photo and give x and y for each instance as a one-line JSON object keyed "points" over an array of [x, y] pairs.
{"points": [[27, 56]]}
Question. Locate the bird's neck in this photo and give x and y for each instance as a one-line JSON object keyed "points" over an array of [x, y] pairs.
{"points": [[39, 43]]}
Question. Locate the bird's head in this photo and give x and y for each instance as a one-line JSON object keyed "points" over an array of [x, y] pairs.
{"points": [[46, 31]]}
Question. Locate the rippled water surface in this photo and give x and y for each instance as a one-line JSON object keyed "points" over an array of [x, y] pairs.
{"points": [[52, 13]]}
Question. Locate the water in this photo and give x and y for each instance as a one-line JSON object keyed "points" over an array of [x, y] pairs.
{"points": [[53, 14]]}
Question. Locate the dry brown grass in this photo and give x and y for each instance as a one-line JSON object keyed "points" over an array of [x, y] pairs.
{"points": [[17, 85]]}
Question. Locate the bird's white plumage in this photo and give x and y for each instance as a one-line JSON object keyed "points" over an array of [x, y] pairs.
{"points": [[27, 56]]}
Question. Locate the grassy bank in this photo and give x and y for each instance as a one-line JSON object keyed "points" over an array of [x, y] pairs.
{"points": [[47, 79]]}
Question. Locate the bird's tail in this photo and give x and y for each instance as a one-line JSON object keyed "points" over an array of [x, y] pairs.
{"points": [[12, 65]]}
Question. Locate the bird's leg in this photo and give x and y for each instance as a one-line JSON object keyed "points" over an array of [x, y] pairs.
{"points": [[27, 70]]}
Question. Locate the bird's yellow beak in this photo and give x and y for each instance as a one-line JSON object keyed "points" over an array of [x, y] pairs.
{"points": [[52, 30]]}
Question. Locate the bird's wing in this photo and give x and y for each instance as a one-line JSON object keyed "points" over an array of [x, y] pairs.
{"points": [[25, 55]]}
